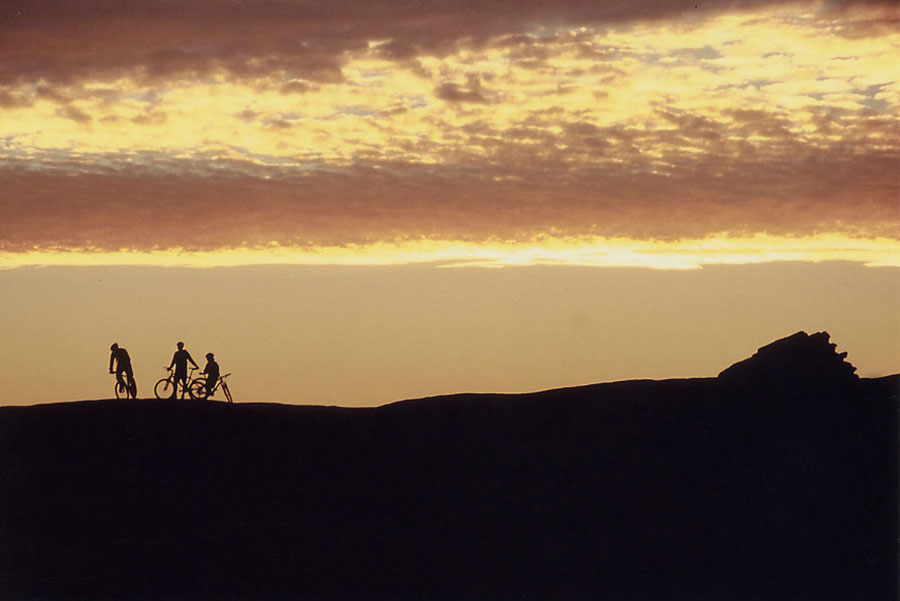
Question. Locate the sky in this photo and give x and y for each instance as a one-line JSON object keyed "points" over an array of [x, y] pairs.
{"points": [[353, 202]]}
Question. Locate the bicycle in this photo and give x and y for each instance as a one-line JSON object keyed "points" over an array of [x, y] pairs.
{"points": [[198, 388], [125, 390], [167, 387]]}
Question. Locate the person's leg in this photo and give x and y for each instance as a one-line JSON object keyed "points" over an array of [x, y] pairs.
{"points": [[132, 385]]}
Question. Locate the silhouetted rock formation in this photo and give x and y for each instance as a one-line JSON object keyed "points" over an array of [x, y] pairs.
{"points": [[707, 489], [798, 360]]}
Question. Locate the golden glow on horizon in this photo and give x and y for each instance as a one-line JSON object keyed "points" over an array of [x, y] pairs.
{"points": [[582, 251]]}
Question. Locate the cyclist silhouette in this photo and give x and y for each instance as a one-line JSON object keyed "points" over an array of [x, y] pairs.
{"points": [[212, 372], [123, 366], [180, 360]]}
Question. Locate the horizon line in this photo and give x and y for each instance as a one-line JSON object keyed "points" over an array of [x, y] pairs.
{"points": [[575, 251]]}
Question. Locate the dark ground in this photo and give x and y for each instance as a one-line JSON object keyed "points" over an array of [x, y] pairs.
{"points": [[777, 480]]}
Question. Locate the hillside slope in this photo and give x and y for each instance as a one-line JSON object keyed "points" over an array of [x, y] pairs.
{"points": [[778, 479]]}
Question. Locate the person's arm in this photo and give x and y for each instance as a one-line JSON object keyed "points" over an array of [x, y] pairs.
{"points": [[111, 357], [172, 362], [191, 359]]}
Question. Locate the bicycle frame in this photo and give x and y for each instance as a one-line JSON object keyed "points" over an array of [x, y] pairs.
{"points": [[198, 388], [167, 388], [125, 386]]}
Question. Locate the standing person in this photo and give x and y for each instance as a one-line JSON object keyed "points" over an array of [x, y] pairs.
{"points": [[180, 360], [123, 366], [212, 373]]}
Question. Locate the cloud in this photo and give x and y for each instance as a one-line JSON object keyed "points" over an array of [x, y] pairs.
{"points": [[207, 125], [151, 118], [13, 101], [63, 42], [296, 87], [74, 113], [216, 205], [247, 115], [48, 93], [278, 124], [472, 92]]}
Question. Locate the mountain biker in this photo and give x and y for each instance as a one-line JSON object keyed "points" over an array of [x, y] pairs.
{"points": [[180, 360], [120, 356], [212, 373]]}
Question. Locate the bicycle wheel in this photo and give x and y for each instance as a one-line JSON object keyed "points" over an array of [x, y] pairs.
{"points": [[132, 388], [197, 389], [164, 389], [226, 391], [121, 390]]}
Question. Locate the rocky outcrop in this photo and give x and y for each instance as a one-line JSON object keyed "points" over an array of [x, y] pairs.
{"points": [[799, 359]]}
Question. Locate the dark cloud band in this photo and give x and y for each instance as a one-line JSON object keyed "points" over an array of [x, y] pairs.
{"points": [[62, 42], [199, 208]]}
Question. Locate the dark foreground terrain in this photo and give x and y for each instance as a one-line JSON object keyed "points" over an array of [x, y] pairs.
{"points": [[776, 480]]}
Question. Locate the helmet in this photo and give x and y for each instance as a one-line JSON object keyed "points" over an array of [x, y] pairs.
{"points": [[209, 355], [114, 346]]}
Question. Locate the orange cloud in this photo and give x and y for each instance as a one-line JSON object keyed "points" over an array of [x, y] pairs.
{"points": [[219, 204], [205, 126], [61, 42]]}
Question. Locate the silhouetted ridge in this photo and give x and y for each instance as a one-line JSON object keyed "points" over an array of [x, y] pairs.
{"points": [[777, 480], [798, 360]]}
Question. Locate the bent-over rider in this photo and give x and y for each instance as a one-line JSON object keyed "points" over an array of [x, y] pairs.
{"points": [[119, 356]]}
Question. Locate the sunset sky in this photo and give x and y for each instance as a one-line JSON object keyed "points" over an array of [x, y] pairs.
{"points": [[314, 190]]}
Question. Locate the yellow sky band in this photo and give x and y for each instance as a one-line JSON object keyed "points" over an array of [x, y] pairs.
{"points": [[582, 251]]}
